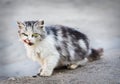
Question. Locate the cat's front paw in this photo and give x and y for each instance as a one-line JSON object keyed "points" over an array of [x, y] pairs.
{"points": [[46, 73], [37, 75]]}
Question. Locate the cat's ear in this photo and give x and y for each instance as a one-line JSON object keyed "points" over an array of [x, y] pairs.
{"points": [[20, 25], [40, 24]]}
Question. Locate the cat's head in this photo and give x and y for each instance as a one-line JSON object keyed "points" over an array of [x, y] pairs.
{"points": [[31, 32]]}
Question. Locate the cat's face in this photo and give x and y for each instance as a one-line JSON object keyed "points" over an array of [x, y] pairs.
{"points": [[31, 32]]}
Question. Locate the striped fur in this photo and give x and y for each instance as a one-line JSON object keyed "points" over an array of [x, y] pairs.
{"points": [[55, 45]]}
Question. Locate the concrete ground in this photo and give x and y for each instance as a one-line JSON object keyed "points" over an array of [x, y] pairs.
{"points": [[99, 19]]}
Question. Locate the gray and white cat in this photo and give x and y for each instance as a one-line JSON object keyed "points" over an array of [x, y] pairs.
{"points": [[55, 46]]}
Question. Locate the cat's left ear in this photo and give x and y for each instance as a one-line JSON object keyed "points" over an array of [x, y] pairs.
{"points": [[40, 24], [20, 25]]}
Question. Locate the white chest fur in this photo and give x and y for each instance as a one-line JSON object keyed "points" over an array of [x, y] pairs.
{"points": [[46, 54], [42, 49]]}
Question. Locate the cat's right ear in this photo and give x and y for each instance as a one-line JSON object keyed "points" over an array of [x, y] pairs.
{"points": [[20, 25], [40, 24]]}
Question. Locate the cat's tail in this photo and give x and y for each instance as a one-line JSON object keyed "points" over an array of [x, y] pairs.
{"points": [[95, 54]]}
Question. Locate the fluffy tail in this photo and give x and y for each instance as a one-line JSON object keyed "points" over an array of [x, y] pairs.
{"points": [[95, 54]]}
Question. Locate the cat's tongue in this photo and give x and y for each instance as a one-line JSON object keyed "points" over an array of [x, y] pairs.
{"points": [[28, 42]]}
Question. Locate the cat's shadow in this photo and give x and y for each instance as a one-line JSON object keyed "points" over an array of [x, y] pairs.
{"points": [[63, 69], [56, 70]]}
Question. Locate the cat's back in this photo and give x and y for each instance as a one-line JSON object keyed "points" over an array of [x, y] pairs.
{"points": [[65, 32], [69, 41]]}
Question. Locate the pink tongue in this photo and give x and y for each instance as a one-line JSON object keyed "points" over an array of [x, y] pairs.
{"points": [[28, 42]]}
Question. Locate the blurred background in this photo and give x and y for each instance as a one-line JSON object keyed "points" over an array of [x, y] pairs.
{"points": [[98, 19]]}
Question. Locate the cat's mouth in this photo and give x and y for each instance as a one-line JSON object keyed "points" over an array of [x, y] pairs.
{"points": [[28, 42]]}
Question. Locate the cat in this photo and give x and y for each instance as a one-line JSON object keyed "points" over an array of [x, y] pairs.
{"points": [[55, 46]]}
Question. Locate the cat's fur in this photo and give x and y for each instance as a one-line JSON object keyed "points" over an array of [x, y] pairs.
{"points": [[56, 45]]}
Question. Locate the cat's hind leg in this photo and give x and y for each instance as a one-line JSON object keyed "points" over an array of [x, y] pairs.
{"points": [[79, 63], [72, 66]]}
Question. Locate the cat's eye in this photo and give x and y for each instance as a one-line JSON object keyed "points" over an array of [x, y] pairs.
{"points": [[24, 34], [35, 35]]}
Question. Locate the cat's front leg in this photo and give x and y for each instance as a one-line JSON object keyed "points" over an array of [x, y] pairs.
{"points": [[41, 62], [39, 70], [49, 65], [46, 71]]}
